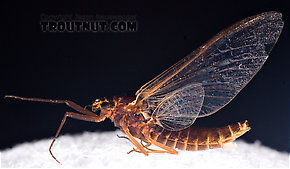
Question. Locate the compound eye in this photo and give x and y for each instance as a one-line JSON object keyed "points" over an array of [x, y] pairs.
{"points": [[105, 105]]}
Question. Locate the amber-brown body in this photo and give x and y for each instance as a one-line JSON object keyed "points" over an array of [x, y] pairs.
{"points": [[198, 138], [125, 115]]}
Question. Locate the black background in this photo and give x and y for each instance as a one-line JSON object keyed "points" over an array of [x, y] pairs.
{"points": [[84, 66]]}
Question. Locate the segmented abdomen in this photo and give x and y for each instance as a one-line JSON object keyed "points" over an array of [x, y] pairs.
{"points": [[197, 138]]}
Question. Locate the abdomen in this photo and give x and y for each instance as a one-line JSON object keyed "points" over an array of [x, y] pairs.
{"points": [[197, 138]]}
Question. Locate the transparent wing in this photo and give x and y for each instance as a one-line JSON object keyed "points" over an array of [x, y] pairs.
{"points": [[179, 109], [223, 66]]}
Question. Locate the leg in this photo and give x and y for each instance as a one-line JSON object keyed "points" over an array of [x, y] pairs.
{"points": [[134, 142], [67, 102], [134, 150], [86, 114], [149, 149], [75, 116], [165, 148], [148, 144], [145, 146], [131, 142]]}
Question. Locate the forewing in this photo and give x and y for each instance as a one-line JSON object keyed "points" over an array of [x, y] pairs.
{"points": [[223, 66], [179, 109]]}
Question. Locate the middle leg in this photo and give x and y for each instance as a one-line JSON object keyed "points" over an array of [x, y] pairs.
{"points": [[166, 149]]}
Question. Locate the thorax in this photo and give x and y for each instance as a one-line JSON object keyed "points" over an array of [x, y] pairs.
{"points": [[125, 114]]}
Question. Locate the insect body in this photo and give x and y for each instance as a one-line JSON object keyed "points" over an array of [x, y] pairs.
{"points": [[126, 116], [197, 86]]}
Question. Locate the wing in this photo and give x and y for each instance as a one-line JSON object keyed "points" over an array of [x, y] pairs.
{"points": [[223, 66], [178, 109]]}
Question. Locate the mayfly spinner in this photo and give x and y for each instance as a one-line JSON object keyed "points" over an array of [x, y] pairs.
{"points": [[199, 85]]}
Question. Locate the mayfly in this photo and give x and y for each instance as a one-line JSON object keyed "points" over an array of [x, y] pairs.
{"points": [[199, 85]]}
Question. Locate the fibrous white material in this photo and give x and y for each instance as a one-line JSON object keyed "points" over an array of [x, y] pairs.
{"points": [[106, 150]]}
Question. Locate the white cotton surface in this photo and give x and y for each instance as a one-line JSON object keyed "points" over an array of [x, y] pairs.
{"points": [[106, 150]]}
